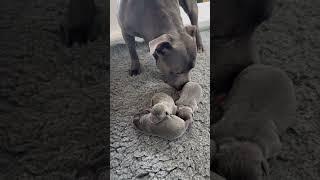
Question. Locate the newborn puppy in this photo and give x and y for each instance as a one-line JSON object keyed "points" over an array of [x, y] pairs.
{"points": [[161, 120], [171, 127], [188, 101], [162, 106], [260, 106]]}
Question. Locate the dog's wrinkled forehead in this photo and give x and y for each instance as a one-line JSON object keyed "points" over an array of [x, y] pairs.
{"points": [[162, 42], [175, 51], [167, 42]]}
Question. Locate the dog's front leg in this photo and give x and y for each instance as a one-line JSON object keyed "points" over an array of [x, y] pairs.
{"points": [[135, 64], [191, 8]]}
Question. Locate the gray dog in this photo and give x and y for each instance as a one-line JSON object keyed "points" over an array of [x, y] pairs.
{"points": [[260, 107], [234, 24], [159, 23]]}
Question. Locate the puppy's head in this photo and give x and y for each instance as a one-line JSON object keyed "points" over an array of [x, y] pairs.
{"points": [[241, 161], [185, 112], [160, 111], [141, 119], [235, 17], [175, 55]]}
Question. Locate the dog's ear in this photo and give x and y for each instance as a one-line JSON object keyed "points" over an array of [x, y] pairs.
{"points": [[160, 45], [265, 168], [191, 30]]}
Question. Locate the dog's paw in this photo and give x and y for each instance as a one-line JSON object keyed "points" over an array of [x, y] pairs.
{"points": [[200, 49], [135, 72]]}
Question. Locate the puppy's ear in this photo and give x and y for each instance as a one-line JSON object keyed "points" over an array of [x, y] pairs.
{"points": [[265, 168], [191, 30], [160, 45]]}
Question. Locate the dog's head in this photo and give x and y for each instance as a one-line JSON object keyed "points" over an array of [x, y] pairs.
{"points": [[235, 17], [175, 55]]}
